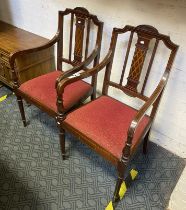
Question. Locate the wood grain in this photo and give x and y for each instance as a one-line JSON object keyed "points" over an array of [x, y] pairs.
{"points": [[13, 39]]}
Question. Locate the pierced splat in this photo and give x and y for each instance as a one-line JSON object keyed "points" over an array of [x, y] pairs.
{"points": [[82, 26], [79, 35], [137, 62]]}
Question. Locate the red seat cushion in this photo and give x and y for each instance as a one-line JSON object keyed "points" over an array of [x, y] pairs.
{"points": [[42, 89], [106, 121]]}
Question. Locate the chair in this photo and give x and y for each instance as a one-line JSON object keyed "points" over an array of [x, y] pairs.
{"points": [[110, 127], [41, 91]]}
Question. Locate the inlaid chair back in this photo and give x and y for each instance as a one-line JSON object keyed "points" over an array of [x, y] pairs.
{"points": [[134, 74], [83, 28]]}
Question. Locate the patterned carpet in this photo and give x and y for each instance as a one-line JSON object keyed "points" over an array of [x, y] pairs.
{"points": [[34, 177]]}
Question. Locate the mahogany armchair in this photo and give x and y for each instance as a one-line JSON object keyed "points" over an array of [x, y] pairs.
{"points": [[110, 127], [42, 91]]}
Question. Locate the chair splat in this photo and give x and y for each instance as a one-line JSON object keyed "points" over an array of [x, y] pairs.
{"points": [[142, 47], [73, 44], [79, 35], [137, 63]]}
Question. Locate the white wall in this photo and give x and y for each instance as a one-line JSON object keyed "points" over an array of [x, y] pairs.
{"points": [[168, 16], [178, 196]]}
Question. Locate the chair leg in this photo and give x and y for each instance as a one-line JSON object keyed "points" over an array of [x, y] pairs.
{"points": [[121, 187], [21, 108], [116, 197], [121, 170], [62, 141], [145, 143]]}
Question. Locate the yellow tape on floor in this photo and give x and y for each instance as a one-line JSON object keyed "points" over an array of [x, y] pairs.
{"points": [[3, 98], [133, 174], [110, 206], [123, 188], [6, 96], [122, 191]]}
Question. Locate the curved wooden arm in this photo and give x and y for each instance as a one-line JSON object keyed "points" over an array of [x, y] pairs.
{"points": [[14, 55], [139, 116], [90, 72], [82, 65], [135, 122]]}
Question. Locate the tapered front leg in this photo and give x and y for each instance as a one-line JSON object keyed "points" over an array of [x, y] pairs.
{"points": [[117, 192], [121, 188], [21, 109], [116, 197], [59, 119], [121, 170], [62, 142]]}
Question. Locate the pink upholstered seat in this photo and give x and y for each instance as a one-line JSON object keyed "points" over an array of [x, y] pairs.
{"points": [[106, 122], [42, 89]]}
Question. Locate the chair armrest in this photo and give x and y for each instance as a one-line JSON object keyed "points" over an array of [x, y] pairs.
{"points": [[79, 76], [139, 116], [14, 55], [79, 67]]}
